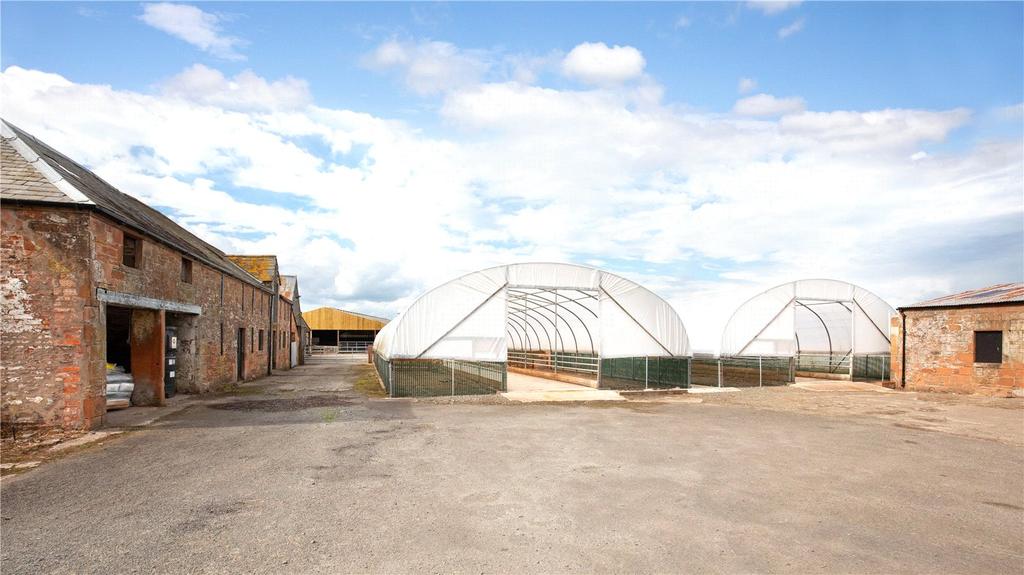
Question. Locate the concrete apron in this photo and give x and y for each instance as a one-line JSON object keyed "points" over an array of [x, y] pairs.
{"points": [[564, 395], [818, 385]]}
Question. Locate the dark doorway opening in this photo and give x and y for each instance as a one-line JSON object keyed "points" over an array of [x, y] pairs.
{"points": [[240, 346], [119, 329]]}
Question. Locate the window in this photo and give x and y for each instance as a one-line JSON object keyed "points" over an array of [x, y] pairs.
{"points": [[186, 270], [130, 251], [252, 339], [261, 340], [222, 337], [988, 347], [252, 304]]}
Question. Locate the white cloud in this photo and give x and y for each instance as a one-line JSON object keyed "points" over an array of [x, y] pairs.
{"points": [[429, 67], [746, 85], [768, 105], [597, 64], [787, 31], [199, 28], [244, 91], [535, 173], [683, 22], [773, 6]]}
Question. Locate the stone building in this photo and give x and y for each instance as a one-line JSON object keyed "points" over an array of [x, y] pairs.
{"points": [[970, 342], [92, 276], [285, 330], [290, 291]]}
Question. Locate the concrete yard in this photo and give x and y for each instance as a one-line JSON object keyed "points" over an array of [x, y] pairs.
{"points": [[302, 472]]}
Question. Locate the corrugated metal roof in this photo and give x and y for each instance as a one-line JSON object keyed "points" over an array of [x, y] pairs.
{"points": [[84, 187], [999, 293], [333, 318]]}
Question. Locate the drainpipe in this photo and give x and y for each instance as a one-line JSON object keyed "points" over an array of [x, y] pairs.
{"points": [[903, 350], [272, 348]]}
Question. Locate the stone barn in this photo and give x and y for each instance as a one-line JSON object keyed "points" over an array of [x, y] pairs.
{"points": [[94, 281], [970, 342]]}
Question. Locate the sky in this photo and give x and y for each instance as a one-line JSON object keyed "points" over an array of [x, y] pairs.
{"points": [[708, 151]]}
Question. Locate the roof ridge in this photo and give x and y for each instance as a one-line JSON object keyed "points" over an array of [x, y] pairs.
{"points": [[9, 134], [129, 210]]}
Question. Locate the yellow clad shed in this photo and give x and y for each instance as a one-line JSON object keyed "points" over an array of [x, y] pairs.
{"points": [[337, 327]]}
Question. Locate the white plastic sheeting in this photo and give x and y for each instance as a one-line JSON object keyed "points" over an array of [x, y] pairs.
{"points": [[809, 316], [535, 306]]}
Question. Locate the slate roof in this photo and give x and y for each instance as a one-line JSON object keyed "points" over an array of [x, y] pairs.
{"points": [[24, 175], [997, 294], [263, 268], [79, 186], [289, 284]]}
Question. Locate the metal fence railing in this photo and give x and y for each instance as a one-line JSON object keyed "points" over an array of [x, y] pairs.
{"points": [[553, 361], [633, 373], [834, 363], [873, 367], [439, 377], [742, 371], [757, 371], [356, 347]]}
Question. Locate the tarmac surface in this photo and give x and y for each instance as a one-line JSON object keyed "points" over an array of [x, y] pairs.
{"points": [[302, 473]]}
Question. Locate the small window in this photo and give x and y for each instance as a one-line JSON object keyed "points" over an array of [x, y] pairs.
{"points": [[186, 270], [261, 340], [222, 338], [988, 347], [252, 339], [130, 251]]}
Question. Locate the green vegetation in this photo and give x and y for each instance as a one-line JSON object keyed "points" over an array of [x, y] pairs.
{"points": [[368, 385]]}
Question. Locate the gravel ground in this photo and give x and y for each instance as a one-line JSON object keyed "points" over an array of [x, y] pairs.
{"points": [[301, 474]]}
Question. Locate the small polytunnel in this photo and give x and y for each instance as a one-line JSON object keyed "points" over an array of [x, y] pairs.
{"points": [[549, 317], [816, 320]]}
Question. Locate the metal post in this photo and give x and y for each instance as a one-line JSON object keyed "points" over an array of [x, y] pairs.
{"points": [[391, 380], [689, 371], [453, 379], [554, 344], [759, 379], [647, 370], [719, 372]]}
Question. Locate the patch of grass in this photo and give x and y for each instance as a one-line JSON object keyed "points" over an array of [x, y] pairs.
{"points": [[368, 385], [235, 389], [328, 416]]}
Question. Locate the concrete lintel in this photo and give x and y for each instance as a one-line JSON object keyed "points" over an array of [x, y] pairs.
{"points": [[129, 300]]}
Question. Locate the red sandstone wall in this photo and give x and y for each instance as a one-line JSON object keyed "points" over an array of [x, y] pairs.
{"points": [[53, 329], [282, 343], [940, 350], [47, 320], [159, 276]]}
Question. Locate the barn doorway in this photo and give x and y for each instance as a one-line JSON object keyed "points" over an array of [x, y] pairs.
{"points": [[240, 355]]}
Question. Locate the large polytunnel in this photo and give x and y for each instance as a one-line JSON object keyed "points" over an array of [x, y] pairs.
{"points": [[826, 324], [557, 320]]}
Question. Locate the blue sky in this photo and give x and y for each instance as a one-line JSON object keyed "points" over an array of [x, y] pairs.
{"points": [[707, 149], [848, 55]]}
